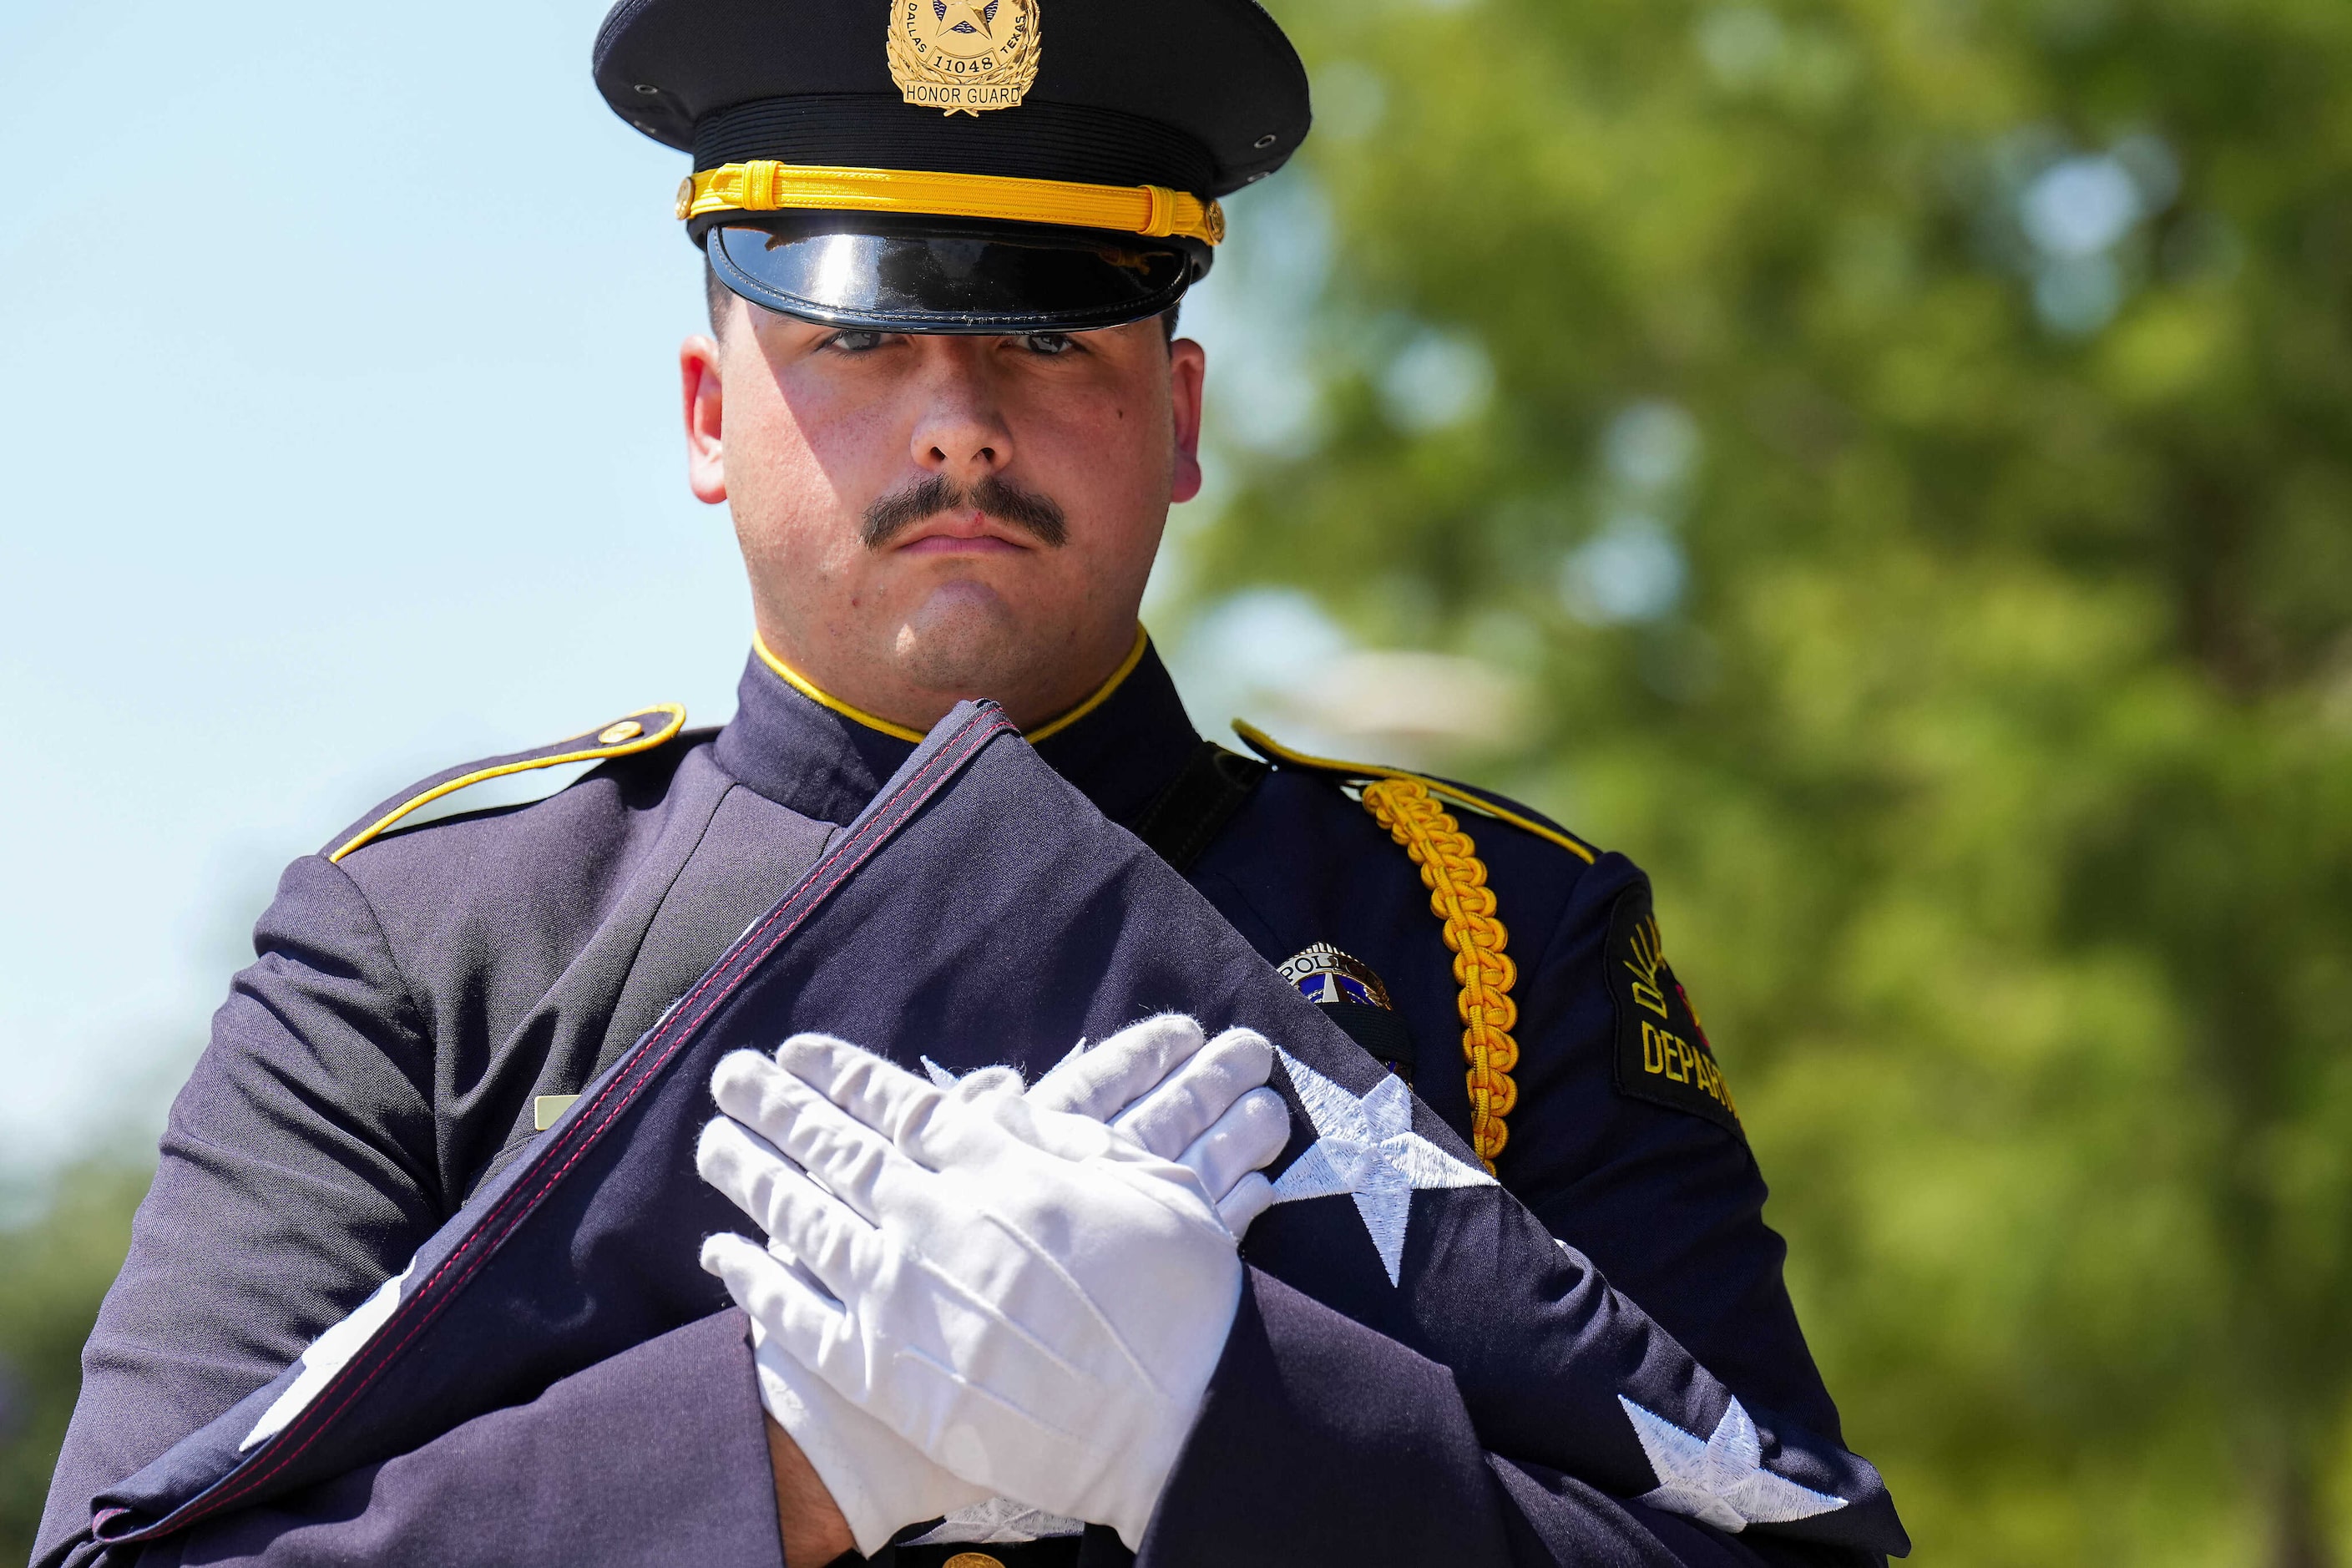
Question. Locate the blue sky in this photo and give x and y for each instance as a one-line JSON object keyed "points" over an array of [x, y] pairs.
{"points": [[338, 443]]}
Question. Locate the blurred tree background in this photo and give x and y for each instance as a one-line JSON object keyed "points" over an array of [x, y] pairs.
{"points": [[56, 1262], [1901, 450], [1885, 466]]}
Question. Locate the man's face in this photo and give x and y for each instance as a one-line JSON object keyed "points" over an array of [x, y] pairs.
{"points": [[932, 518]]}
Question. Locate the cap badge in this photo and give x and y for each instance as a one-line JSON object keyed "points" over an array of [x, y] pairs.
{"points": [[961, 57]]}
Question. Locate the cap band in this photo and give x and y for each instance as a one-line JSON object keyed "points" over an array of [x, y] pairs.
{"points": [[764, 184]]}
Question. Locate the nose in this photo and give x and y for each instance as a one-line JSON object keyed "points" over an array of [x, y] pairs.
{"points": [[960, 431]]}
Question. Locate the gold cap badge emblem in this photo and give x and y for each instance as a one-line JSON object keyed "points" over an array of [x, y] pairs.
{"points": [[961, 57]]}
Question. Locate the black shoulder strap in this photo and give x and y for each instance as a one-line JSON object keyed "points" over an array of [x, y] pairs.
{"points": [[1185, 818]]}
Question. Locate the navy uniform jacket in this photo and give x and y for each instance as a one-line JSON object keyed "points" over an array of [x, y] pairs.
{"points": [[413, 998]]}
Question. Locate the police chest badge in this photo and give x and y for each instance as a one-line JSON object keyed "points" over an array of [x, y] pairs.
{"points": [[1662, 1056], [1323, 974], [1352, 997], [961, 57]]}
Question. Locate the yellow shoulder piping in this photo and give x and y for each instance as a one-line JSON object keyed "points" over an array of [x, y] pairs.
{"points": [[1267, 745], [638, 741]]}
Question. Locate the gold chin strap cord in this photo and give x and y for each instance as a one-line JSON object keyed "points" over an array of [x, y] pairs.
{"points": [[1458, 896], [765, 185]]}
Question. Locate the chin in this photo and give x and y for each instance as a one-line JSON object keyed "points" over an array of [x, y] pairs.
{"points": [[965, 641]]}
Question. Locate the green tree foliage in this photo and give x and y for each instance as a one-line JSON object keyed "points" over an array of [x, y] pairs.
{"points": [[53, 1271], [1907, 446]]}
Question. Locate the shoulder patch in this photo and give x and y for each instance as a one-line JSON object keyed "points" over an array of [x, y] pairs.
{"points": [[1663, 1055], [638, 732], [1484, 804]]}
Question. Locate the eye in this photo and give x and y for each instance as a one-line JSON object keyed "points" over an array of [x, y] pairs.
{"points": [[1048, 344], [856, 341]]}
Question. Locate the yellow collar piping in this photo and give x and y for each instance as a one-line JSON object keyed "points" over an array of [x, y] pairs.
{"points": [[823, 698], [1102, 693]]}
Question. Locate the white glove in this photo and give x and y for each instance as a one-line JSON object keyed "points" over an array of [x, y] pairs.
{"points": [[1154, 1081], [878, 1481], [1033, 1301], [1202, 1105]]}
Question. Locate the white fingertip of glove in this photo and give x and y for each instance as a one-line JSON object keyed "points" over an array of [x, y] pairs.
{"points": [[988, 1080], [1172, 1114], [1114, 1075], [1251, 1196], [802, 1218], [880, 1482], [1230, 1155], [1033, 1301], [752, 1090]]}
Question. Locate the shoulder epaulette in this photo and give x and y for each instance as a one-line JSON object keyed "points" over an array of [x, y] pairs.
{"points": [[1267, 746], [1407, 805], [638, 732]]}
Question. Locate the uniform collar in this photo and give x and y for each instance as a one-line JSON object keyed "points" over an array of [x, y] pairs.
{"points": [[806, 749]]}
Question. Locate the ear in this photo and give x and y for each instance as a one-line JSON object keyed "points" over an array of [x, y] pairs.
{"points": [[1188, 366], [702, 384]]}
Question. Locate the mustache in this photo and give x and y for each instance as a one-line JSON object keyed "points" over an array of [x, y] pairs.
{"points": [[1036, 515]]}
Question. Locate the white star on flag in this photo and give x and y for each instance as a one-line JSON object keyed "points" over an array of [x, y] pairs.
{"points": [[997, 1522], [1721, 1482], [1365, 1147]]}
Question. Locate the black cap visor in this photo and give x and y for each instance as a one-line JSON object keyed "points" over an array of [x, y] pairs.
{"points": [[944, 275]]}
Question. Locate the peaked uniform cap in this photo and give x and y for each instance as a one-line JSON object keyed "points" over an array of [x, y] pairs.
{"points": [[829, 185]]}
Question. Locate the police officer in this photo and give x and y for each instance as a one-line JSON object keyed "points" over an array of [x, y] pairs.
{"points": [[943, 398]]}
